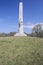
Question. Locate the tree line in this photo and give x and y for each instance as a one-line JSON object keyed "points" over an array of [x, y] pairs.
{"points": [[7, 34], [37, 31]]}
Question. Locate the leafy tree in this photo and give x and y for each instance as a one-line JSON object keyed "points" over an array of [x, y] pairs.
{"points": [[36, 31], [41, 33], [12, 33]]}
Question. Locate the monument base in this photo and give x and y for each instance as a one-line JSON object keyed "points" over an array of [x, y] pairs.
{"points": [[20, 34]]}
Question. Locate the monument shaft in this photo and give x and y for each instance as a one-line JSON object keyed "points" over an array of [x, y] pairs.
{"points": [[20, 28], [21, 17]]}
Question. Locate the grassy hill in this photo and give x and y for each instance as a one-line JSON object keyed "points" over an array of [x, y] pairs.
{"points": [[21, 51]]}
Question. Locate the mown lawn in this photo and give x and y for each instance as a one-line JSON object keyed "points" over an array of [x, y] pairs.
{"points": [[21, 51]]}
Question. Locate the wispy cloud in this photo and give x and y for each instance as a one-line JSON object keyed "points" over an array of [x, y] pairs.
{"points": [[30, 25]]}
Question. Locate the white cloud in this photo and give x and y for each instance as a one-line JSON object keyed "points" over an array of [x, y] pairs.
{"points": [[30, 25]]}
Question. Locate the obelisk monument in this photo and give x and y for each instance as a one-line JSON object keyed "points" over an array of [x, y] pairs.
{"points": [[20, 27]]}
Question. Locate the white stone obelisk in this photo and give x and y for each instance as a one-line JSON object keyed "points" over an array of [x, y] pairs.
{"points": [[21, 17], [20, 28]]}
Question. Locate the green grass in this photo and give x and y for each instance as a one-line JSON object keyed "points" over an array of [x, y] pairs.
{"points": [[21, 51]]}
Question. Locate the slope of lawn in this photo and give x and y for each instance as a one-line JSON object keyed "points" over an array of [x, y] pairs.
{"points": [[21, 51]]}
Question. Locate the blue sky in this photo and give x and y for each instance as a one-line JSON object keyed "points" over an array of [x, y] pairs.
{"points": [[9, 11]]}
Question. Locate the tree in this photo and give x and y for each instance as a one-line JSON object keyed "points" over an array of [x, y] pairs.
{"points": [[41, 33], [12, 33], [36, 31], [3, 34]]}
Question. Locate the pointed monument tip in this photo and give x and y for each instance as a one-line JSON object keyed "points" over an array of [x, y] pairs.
{"points": [[20, 2]]}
